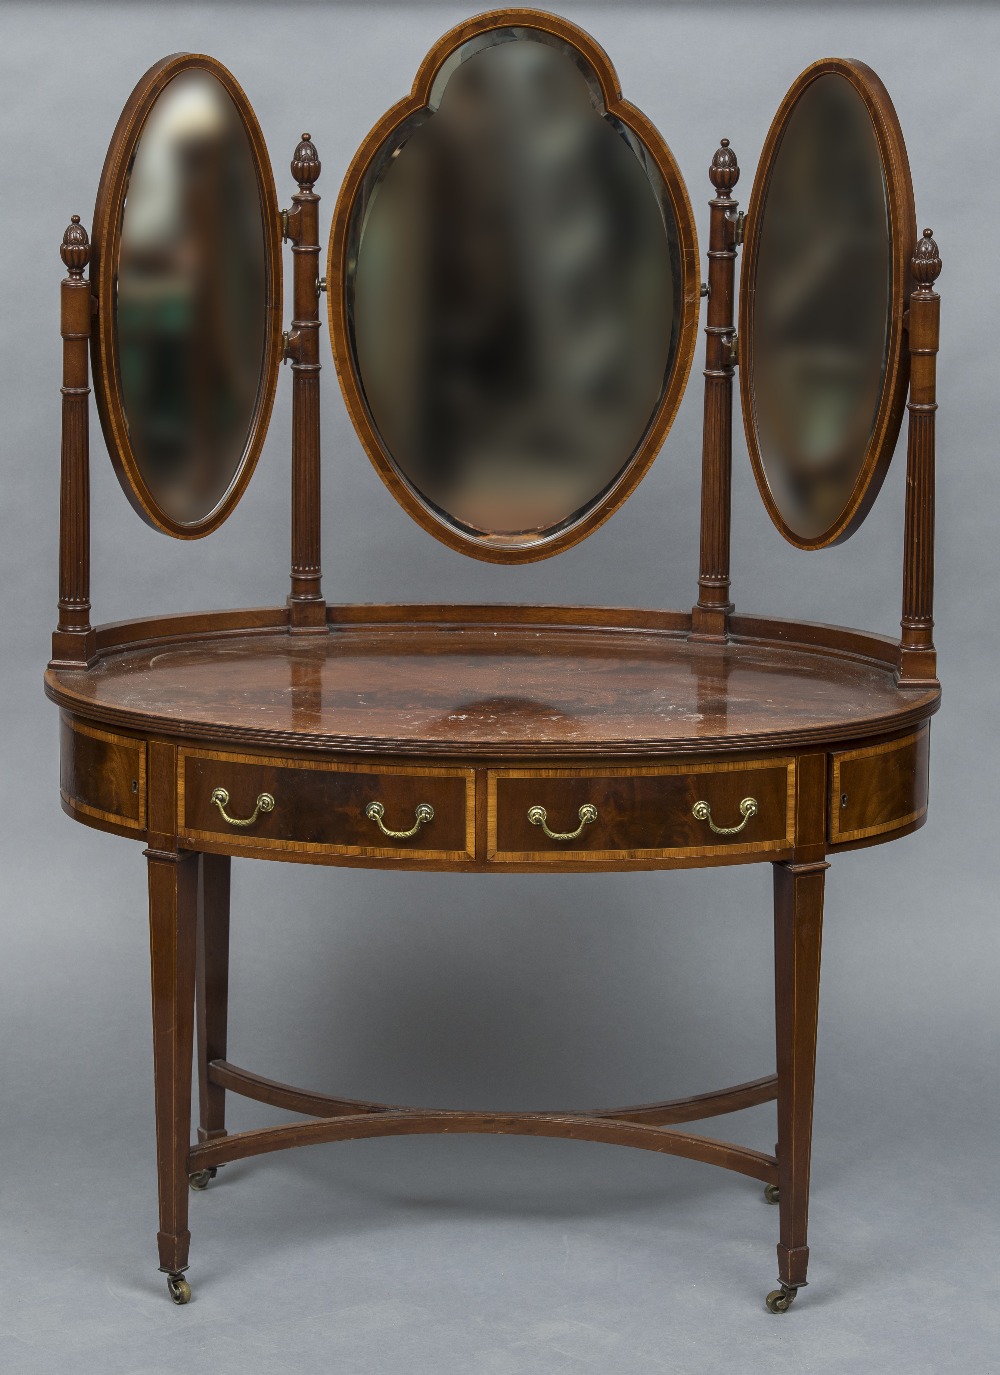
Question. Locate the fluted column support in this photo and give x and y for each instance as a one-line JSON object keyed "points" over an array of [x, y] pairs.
{"points": [[917, 655], [74, 643], [709, 619], [307, 609]]}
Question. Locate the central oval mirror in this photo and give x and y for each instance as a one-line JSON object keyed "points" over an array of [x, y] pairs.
{"points": [[186, 267], [515, 300]]}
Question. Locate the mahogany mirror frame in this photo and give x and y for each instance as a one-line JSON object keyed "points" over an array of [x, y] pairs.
{"points": [[106, 245], [637, 465], [902, 239]]}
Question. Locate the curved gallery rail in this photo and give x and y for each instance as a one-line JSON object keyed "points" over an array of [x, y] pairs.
{"points": [[435, 680]]}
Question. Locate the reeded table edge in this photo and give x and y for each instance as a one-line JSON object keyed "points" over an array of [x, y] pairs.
{"points": [[861, 647]]}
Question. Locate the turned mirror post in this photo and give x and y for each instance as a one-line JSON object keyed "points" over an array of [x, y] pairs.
{"points": [[917, 656], [74, 641], [710, 617], [307, 609]]}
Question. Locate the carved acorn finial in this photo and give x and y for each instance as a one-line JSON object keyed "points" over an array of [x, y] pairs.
{"points": [[75, 247], [926, 263], [306, 165], [725, 170]]}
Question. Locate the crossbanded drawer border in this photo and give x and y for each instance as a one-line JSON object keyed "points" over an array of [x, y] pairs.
{"points": [[554, 856], [896, 823], [134, 824], [258, 842]]}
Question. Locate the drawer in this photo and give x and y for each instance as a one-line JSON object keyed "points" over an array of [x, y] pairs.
{"points": [[879, 788], [103, 776], [641, 813], [322, 807]]}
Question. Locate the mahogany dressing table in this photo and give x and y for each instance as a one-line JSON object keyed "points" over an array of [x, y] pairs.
{"points": [[514, 294]]}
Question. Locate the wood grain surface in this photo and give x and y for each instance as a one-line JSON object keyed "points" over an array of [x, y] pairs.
{"points": [[512, 688]]}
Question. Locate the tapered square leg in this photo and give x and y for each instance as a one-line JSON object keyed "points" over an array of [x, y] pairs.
{"points": [[798, 930], [212, 995], [173, 904]]}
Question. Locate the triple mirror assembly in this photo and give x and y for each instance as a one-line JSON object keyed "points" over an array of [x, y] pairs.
{"points": [[513, 278]]}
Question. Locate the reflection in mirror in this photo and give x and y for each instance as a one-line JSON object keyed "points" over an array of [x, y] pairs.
{"points": [[191, 297], [514, 292], [821, 306]]}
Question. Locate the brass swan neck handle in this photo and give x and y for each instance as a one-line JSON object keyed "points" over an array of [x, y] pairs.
{"points": [[587, 814], [701, 811], [265, 803], [424, 813]]}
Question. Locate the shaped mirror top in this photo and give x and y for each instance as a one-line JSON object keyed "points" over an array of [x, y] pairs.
{"points": [[514, 326]]}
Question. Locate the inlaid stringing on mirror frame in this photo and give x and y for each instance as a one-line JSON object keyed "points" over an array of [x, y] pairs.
{"points": [[108, 218], [664, 180], [898, 191]]}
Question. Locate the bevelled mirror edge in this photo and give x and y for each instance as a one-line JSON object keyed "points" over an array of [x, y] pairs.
{"points": [[591, 57], [902, 235], [106, 244]]}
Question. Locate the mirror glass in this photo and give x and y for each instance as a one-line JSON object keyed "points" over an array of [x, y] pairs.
{"points": [[191, 297], [513, 291], [821, 321]]}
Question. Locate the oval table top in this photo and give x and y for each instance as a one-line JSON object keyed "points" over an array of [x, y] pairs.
{"points": [[506, 687]]}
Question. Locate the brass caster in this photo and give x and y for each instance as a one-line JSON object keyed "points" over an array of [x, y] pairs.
{"points": [[780, 1300], [199, 1180], [179, 1289], [771, 1193]]}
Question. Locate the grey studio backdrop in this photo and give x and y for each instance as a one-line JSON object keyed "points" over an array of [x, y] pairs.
{"points": [[479, 1255]]}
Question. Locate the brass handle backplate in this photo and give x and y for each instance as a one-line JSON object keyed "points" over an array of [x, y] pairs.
{"points": [[265, 803], [701, 811], [587, 814], [424, 813]]}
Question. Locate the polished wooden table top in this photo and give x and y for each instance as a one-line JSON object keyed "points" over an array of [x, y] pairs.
{"points": [[423, 684]]}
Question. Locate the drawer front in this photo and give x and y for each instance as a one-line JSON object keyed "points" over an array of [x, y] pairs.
{"points": [[878, 789], [323, 807], [103, 775], [642, 813]]}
